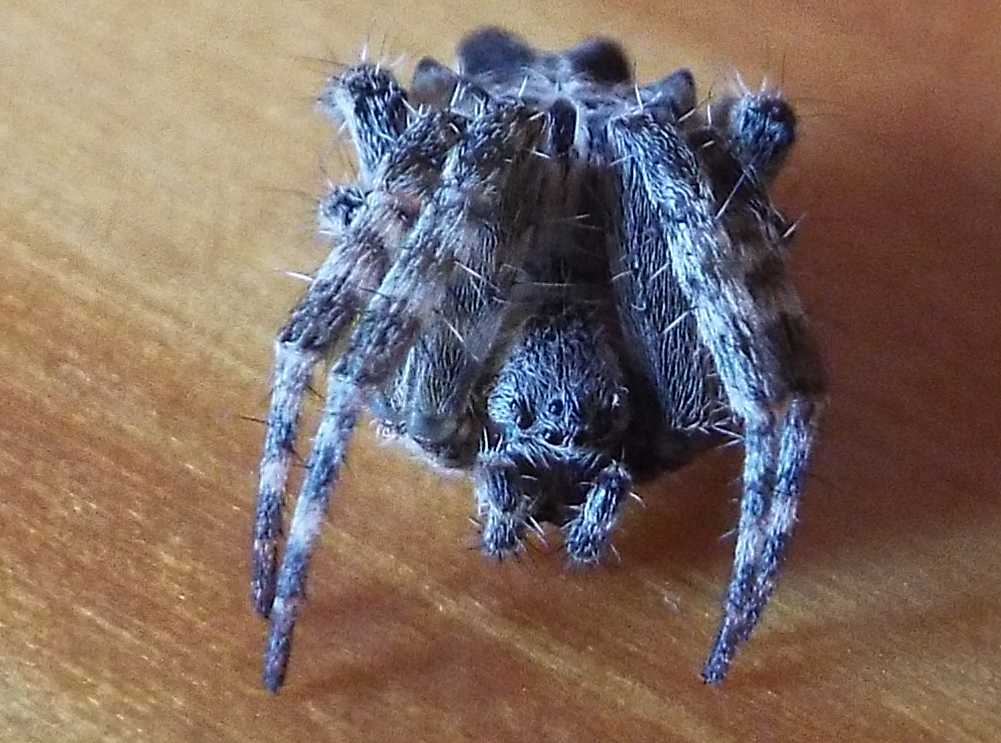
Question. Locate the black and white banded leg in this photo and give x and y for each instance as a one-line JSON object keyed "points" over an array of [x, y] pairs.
{"points": [[489, 163], [400, 170], [751, 321]]}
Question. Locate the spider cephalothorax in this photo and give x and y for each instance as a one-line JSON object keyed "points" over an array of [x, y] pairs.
{"points": [[558, 280]]}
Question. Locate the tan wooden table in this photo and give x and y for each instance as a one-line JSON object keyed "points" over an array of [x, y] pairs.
{"points": [[158, 161]]}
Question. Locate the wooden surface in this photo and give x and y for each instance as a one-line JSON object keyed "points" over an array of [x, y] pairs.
{"points": [[152, 155]]}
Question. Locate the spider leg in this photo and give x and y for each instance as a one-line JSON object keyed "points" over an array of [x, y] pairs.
{"points": [[437, 85], [679, 397], [766, 522], [743, 150], [799, 430], [474, 202], [460, 336], [367, 101], [505, 496], [354, 268], [445, 366], [671, 98], [657, 319], [587, 535], [749, 317], [760, 129], [428, 399]]}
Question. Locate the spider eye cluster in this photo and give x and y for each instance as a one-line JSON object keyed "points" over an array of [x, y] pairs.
{"points": [[557, 419]]}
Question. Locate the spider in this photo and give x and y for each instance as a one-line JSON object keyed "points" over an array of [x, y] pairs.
{"points": [[561, 281]]}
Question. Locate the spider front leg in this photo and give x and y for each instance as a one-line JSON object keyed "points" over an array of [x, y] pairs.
{"points": [[444, 366], [485, 174], [366, 228], [749, 317], [367, 101], [760, 129], [428, 400], [431, 394]]}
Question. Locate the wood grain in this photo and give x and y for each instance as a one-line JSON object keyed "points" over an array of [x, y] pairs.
{"points": [[158, 165]]}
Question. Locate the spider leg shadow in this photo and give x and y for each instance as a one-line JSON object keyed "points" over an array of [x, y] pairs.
{"points": [[386, 640], [437, 640], [685, 514], [898, 636]]}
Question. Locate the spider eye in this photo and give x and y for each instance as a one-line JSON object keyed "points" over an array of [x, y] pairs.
{"points": [[555, 407], [523, 416]]}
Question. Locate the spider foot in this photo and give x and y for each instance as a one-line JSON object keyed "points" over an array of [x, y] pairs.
{"points": [[587, 534], [585, 543], [502, 532], [734, 629], [718, 662], [276, 653]]}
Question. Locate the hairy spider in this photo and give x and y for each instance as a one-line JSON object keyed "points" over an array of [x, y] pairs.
{"points": [[559, 280]]}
